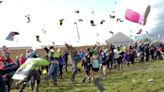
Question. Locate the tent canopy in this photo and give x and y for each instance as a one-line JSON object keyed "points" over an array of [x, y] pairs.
{"points": [[120, 39]]}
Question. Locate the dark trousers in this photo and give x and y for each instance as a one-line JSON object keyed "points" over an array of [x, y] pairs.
{"points": [[8, 82], [61, 71], [2, 85], [47, 67], [111, 62], [142, 57], [3, 72], [147, 57], [108, 64], [118, 61], [34, 75]]}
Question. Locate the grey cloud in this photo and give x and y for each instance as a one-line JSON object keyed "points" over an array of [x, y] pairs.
{"points": [[159, 27]]}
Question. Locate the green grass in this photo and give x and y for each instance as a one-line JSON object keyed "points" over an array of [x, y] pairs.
{"points": [[129, 79]]}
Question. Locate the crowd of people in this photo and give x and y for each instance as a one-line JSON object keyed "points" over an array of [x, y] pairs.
{"points": [[94, 61]]}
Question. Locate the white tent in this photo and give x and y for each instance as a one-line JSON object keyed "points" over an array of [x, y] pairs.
{"points": [[120, 39]]}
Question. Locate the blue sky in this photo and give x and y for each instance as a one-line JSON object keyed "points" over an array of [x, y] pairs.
{"points": [[46, 14]]}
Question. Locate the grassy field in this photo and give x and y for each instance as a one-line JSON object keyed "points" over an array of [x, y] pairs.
{"points": [[129, 79]]}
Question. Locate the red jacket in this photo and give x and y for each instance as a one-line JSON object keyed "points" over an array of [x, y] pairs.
{"points": [[22, 60]]}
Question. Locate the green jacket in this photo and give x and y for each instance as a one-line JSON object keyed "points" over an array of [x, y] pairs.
{"points": [[53, 54], [35, 63]]}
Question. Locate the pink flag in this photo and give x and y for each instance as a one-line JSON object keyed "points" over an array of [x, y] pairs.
{"points": [[133, 16]]}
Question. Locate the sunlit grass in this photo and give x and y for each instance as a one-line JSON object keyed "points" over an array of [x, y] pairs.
{"points": [[129, 79]]}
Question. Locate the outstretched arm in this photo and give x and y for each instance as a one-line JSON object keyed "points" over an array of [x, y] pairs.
{"points": [[5, 71], [72, 50], [67, 46]]}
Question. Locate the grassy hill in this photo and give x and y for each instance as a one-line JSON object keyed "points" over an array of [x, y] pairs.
{"points": [[135, 78]]}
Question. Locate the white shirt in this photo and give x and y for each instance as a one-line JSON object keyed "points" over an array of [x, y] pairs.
{"points": [[116, 54]]}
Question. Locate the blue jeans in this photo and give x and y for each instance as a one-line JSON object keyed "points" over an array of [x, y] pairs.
{"points": [[65, 64], [74, 71], [52, 71], [111, 62]]}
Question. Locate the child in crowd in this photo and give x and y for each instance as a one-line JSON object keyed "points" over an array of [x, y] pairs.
{"points": [[95, 66], [87, 65]]}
